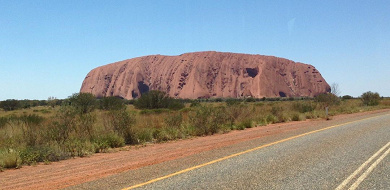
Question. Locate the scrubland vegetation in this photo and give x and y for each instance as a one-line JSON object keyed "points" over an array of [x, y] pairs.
{"points": [[81, 125]]}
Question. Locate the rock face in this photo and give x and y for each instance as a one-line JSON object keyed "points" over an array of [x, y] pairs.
{"points": [[205, 75]]}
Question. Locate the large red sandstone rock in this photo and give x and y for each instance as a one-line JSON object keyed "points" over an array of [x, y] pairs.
{"points": [[205, 75]]}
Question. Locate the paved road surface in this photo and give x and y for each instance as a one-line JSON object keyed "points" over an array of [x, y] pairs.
{"points": [[355, 154]]}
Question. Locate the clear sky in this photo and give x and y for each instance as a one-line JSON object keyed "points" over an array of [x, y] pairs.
{"points": [[48, 47]]}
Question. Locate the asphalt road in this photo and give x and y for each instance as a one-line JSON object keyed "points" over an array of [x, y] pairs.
{"points": [[353, 154]]}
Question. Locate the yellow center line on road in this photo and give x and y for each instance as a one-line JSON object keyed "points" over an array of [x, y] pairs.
{"points": [[243, 152]]}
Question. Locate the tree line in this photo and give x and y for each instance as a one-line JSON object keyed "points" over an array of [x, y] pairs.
{"points": [[156, 99]]}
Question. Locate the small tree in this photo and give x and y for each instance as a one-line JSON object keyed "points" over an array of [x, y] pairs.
{"points": [[370, 98], [334, 89], [112, 103], [83, 102], [327, 99], [347, 97]]}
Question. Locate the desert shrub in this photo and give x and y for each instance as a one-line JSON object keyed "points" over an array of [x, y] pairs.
{"points": [[30, 126], [346, 97], [272, 118], [174, 120], [175, 104], [195, 104], [128, 102], [166, 134], [277, 110], [156, 99], [236, 112], [247, 123], [63, 124], [370, 98], [41, 153], [284, 117], [32, 119], [111, 103], [208, 120], [85, 125], [250, 99], [327, 99], [83, 102], [161, 135], [232, 102], [108, 140], [233, 112], [9, 159], [121, 122], [296, 117], [79, 147], [144, 135], [303, 106], [18, 130]]}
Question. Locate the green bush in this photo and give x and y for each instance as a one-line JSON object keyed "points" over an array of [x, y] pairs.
{"points": [[232, 101], [296, 117], [146, 135], [63, 125], [327, 99], [272, 118], [79, 147], [195, 104], [156, 99], [31, 155], [121, 122], [247, 123], [370, 98], [276, 110], [346, 97], [85, 125], [108, 140], [284, 118], [237, 112], [112, 103], [83, 102], [166, 134], [208, 120], [174, 120], [10, 159]]}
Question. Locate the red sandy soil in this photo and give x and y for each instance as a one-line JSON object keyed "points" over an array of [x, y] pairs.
{"points": [[80, 170]]}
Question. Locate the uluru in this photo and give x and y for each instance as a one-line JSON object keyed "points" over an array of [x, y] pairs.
{"points": [[206, 75]]}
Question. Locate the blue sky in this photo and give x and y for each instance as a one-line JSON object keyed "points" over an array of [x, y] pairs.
{"points": [[48, 47]]}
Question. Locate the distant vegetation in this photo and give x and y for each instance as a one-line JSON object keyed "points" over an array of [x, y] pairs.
{"points": [[34, 131], [370, 98], [156, 99]]}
